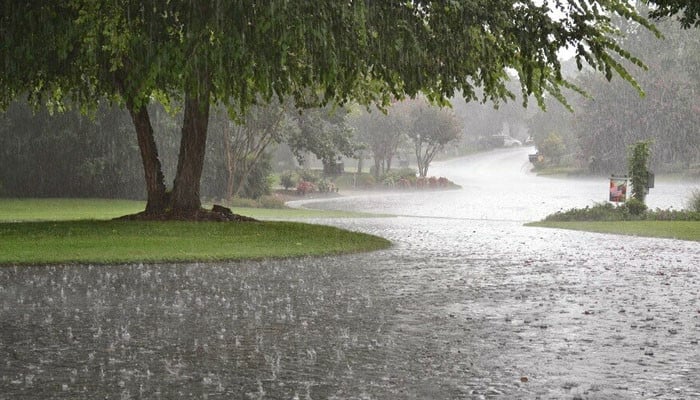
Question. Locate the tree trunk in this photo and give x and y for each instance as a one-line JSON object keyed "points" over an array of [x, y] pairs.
{"points": [[153, 171], [230, 167], [377, 166], [422, 169], [157, 199], [186, 198]]}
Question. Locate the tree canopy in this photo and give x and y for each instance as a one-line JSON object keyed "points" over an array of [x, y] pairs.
{"points": [[687, 11], [201, 53], [615, 117]]}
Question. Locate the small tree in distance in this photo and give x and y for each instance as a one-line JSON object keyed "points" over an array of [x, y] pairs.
{"points": [[431, 129], [637, 161]]}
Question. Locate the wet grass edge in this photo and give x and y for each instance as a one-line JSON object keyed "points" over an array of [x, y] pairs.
{"points": [[681, 230], [118, 242]]}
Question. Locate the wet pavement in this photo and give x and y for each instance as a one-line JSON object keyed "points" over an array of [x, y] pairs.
{"points": [[463, 306]]}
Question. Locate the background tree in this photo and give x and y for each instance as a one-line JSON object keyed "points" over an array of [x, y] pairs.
{"points": [[247, 142], [232, 52], [614, 117], [429, 128], [381, 133], [68, 154], [480, 121], [322, 132]]}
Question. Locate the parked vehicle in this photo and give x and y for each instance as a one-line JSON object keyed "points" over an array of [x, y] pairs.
{"points": [[505, 141]]}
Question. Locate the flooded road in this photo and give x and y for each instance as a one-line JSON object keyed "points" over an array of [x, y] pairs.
{"points": [[499, 185], [467, 304]]}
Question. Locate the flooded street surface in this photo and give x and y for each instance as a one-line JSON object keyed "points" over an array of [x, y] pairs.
{"points": [[467, 304]]}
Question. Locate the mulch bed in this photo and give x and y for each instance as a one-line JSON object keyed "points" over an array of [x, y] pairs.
{"points": [[216, 214]]}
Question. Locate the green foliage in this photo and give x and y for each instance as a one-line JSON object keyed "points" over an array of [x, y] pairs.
{"points": [[614, 117], [239, 53], [345, 50], [429, 128], [629, 211], [380, 134], [322, 132], [635, 206], [552, 148], [288, 179], [393, 177], [257, 182], [309, 175], [638, 170], [327, 186], [598, 212], [365, 181], [694, 201], [68, 154], [686, 11]]}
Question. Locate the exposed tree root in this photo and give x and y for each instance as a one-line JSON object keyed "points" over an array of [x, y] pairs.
{"points": [[217, 214]]}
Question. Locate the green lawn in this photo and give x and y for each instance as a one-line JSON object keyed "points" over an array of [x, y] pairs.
{"points": [[52, 231], [685, 230], [13, 210]]}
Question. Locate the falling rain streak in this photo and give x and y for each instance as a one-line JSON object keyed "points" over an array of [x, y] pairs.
{"points": [[459, 307]]}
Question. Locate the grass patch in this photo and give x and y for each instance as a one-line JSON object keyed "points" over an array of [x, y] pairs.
{"points": [[16, 210], [59, 231], [631, 218], [66, 209], [559, 171], [685, 230], [102, 242], [299, 213]]}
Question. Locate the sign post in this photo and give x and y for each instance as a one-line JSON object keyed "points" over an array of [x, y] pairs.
{"points": [[618, 189]]}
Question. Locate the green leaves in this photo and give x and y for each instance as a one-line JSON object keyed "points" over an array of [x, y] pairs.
{"points": [[286, 47]]}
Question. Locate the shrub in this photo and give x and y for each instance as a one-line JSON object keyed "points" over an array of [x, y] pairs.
{"points": [[304, 187], [598, 212], [624, 212], [365, 181], [308, 176], [635, 206], [288, 179], [325, 186], [270, 202], [694, 201], [553, 147]]}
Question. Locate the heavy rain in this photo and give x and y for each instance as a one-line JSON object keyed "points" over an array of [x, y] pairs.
{"points": [[467, 303], [460, 307]]}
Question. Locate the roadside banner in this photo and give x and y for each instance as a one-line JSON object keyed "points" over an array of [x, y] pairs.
{"points": [[618, 189]]}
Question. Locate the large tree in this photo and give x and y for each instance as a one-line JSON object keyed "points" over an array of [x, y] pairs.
{"points": [[200, 53]]}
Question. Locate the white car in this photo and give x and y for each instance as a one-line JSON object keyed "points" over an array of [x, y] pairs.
{"points": [[510, 142]]}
